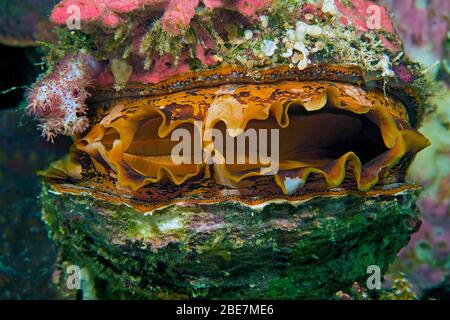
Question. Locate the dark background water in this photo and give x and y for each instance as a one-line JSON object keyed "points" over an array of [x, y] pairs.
{"points": [[27, 256]]}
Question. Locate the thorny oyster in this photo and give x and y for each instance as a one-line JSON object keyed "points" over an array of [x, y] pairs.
{"points": [[346, 104]]}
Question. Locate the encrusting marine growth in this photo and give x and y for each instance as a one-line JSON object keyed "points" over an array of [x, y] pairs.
{"points": [[330, 76], [59, 100]]}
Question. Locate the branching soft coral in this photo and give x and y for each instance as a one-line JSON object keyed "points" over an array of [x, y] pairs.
{"points": [[177, 14], [245, 7], [58, 100]]}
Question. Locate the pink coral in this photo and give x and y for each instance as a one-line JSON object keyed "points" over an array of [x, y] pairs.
{"points": [[57, 101], [163, 67], [177, 14], [403, 73], [420, 26], [205, 57], [359, 14]]}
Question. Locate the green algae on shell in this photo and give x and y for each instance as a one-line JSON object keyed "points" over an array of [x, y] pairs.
{"points": [[228, 251]]}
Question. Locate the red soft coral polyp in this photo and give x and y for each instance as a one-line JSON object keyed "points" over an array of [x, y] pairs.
{"points": [[58, 100]]}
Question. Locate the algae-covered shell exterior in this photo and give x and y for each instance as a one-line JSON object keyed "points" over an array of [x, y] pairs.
{"points": [[335, 137]]}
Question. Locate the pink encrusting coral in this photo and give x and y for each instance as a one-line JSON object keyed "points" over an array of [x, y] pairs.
{"points": [[166, 66], [177, 14], [58, 100], [403, 73], [106, 13], [163, 69], [160, 39], [360, 12]]}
